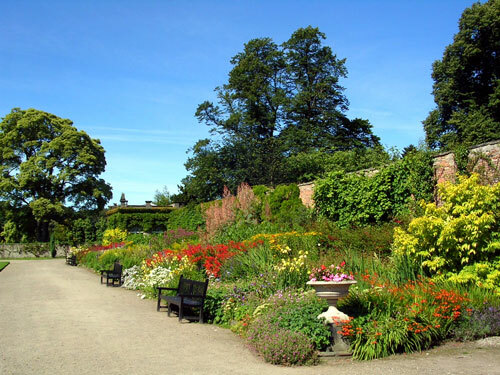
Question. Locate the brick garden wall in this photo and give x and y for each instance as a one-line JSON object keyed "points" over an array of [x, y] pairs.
{"points": [[306, 194], [483, 158]]}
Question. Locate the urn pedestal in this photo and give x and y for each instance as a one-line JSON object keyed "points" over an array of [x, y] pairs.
{"points": [[332, 291]]}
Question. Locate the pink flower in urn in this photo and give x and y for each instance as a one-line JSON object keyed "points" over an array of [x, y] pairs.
{"points": [[330, 273]]}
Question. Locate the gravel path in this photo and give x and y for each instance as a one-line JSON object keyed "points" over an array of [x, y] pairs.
{"points": [[57, 319]]}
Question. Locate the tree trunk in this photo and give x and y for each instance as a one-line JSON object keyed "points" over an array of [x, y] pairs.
{"points": [[42, 231]]}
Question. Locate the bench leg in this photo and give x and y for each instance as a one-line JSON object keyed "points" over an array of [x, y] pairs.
{"points": [[158, 303], [169, 308], [201, 315], [181, 313]]}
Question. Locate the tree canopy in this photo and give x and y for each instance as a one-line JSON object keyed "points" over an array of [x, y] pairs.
{"points": [[467, 82], [48, 168], [279, 101]]}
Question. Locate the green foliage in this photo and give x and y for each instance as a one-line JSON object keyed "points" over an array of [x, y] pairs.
{"points": [[359, 199], [461, 153], [409, 318], [52, 246], [38, 249], [279, 101], [467, 82], [289, 317], [255, 262], [188, 217], [484, 274], [281, 346], [115, 235], [369, 240], [309, 166], [129, 256], [479, 323], [10, 233], [459, 239], [286, 206], [163, 197], [83, 230], [302, 316], [49, 167], [241, 231], [135, 221]]}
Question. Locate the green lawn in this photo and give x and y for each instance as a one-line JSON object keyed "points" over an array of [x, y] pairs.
{"points": [[3, 265]]}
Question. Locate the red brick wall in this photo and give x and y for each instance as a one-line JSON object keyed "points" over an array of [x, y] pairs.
{"points": [[483, 159], [445, 168], [306, 194]]}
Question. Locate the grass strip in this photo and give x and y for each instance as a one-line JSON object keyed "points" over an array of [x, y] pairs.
{"points": [[3, 265], [31, 258]]}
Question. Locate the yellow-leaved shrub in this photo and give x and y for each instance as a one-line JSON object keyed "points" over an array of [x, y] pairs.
{"points": [[463, 234], [113, 236]]}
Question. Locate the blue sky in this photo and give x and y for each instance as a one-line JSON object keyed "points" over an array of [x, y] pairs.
{"points": [[132, 73]]}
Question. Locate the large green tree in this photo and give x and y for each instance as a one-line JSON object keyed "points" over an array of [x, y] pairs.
{"points": [[279, 101], [467, 82], [49, 168]]}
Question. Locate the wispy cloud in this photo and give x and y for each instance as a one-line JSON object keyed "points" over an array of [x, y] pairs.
{"points": [[131, 130], [144, 135], [187, 141]]}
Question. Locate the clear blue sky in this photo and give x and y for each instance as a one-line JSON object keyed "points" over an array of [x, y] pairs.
{"points": [[132, 73]]}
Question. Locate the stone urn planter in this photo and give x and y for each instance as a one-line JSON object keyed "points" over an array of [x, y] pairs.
{"points": [[332, 291]]}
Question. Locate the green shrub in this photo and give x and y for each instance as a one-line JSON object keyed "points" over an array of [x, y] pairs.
{"points": [[241, 231], [36, 248], [139, 220], [389, 319], [114, 235], [358, 199], [188, 217], [281, 346], [52, 246], [299, 313], [286, 330], [479, 323], [254, 262], [227, 303], [460, 239]]}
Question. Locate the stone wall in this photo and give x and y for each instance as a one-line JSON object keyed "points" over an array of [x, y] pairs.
{"points": [[306, 193], [483, 159], [307, 188], [19, 250]]}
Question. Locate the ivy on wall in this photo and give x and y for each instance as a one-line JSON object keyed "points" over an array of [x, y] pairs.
{"points": [[357, 199], [139, 221]]}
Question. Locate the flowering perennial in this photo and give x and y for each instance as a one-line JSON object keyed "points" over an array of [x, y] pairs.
{"points": [[330, 273], [403, 318], [210, 257]]}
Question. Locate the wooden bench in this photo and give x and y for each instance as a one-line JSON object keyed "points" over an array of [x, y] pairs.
{"points": [[71, 259], [112, 275], [189, 295]]}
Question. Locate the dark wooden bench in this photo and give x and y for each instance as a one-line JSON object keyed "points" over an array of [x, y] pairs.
{"points": [[189, 295], [112, 275], [71, 259]]}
